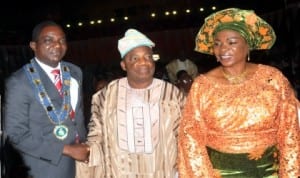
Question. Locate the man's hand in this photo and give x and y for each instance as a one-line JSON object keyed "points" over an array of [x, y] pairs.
{"points": [[77, 151]]}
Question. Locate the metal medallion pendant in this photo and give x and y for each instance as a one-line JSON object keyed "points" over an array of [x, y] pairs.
{"points": [[60, 131]]}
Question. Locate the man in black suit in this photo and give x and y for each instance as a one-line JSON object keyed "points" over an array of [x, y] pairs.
{"points": [[43, 122]]}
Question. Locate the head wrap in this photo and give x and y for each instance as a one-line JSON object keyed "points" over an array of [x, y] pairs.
{"points": [[133, 39], [257, 32]]}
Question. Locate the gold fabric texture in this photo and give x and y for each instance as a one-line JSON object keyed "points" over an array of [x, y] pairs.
{"points": [[241, 118]]}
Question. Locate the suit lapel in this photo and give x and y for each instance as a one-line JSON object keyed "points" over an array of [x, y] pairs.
{"points": [[50, 88]]}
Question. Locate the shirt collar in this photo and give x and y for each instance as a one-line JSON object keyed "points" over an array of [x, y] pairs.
{"points": [[45, 67]]}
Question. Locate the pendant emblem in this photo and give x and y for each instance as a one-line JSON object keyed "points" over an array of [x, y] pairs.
{"points": [[60, 131]]}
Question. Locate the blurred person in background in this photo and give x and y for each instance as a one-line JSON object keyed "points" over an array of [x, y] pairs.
{"points": [[184, 81], [181, 63]]}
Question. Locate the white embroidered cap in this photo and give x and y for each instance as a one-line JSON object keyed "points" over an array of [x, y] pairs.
{"points": [[133, 39]]}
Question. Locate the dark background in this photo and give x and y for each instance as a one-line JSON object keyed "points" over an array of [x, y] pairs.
{"points": [[94, 47], [18, 17]]}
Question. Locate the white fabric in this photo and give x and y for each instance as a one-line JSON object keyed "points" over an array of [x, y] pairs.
{"points": [[74, 87], [133, 39], [138, 121]]}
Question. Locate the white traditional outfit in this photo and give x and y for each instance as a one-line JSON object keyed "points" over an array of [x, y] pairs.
{"points": [[133, 132]]}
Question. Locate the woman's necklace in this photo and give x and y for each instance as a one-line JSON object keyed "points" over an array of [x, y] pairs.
{"points": [[235, 79]]}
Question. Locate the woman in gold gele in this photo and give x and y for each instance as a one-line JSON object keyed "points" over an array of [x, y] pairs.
{"points": [[241, 118]]}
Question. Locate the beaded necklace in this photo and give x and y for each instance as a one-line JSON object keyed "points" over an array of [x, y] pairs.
{"points": [[57, 117]]}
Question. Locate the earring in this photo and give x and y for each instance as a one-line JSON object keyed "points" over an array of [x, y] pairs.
{"points": [[248, 58]]}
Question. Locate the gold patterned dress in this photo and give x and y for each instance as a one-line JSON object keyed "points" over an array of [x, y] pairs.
{"points": [[242, 119]]}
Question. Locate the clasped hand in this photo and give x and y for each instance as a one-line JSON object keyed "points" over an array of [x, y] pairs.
{"points": [[77, 151]]}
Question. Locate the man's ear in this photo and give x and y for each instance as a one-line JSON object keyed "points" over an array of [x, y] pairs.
{"points": [[123, 66], [32, 45]]}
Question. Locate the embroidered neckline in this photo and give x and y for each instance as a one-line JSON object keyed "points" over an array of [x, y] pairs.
{"points": [[235, 79]]}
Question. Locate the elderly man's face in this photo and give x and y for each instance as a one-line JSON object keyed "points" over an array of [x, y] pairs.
{"points": [[140, 67]]}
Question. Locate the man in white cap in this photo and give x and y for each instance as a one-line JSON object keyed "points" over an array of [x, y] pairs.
{"points": [[181, 63], [133, 127]]}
